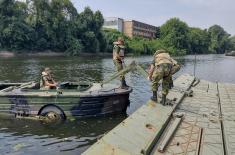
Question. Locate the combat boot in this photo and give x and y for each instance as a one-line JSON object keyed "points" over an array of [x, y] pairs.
{"points": [[163, 101], [154, 97], [123, 84]]}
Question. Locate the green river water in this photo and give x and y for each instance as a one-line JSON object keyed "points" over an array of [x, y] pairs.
{"points": [[75, 136]]}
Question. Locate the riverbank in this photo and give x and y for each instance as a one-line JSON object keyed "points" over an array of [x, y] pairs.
{"points": [[51, 53], [232, 53], [45, 53], [6, 54]]}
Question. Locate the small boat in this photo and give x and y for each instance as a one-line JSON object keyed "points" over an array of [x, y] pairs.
{"points": [[232, 53], [80, 99]]}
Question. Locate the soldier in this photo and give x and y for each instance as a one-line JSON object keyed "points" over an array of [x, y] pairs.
{"points": [[47, 82], [118, 60], [162, 67]]}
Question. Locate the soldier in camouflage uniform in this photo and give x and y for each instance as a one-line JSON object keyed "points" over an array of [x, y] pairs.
{"points": [[118, 59], [47, 82], [162, 68]]}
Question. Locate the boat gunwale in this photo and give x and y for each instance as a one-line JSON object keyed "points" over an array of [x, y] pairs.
{"points": [[81, 95]]}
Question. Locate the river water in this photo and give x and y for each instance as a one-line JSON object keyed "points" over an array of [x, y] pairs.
{"points": [[75, 136]]}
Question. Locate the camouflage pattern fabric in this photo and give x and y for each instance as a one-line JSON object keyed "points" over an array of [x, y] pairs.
{"points": [[119, 67], [45, 78], [175, 68], [115, 51], [162, 72], [118, 50]]}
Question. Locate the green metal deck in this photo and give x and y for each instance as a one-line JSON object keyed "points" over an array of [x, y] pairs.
{"points": [[206, 128]]}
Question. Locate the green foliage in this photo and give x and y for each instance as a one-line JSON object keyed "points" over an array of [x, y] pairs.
{"points": [[199, 41], [75, 47], [14, 32], [110, 36], [218, 39], [232, 43], [174, 36], [39, 25], [180, 39], [136, 45], [141, 46]]}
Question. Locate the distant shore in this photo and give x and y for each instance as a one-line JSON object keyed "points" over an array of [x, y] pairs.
{"points": [[5, 53], [45, 53]]}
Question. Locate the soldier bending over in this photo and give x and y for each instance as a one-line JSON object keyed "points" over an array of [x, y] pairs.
{"points": [[162, 68]]}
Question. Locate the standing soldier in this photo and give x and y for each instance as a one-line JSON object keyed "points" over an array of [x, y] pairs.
{"points": [[162, 67], [118, 60]]}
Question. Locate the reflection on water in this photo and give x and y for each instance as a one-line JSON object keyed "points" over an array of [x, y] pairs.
{"points": [[32, 137], [27, 137]]}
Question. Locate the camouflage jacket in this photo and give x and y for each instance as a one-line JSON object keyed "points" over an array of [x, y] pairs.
{"points": [[45, 78], [118, 50], [163, 58]]}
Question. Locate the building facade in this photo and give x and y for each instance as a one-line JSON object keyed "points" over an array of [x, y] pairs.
{"points": [[114, 23], [138, 29], [131, 28]]}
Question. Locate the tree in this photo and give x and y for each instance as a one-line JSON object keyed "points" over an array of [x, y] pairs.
{"points": [[15, 33], [199, 41], [174, 36], [232, 43], [93, 22], [40, 25], [219, 39]]}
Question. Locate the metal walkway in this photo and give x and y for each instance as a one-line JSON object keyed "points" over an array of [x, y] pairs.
{"points": [[200, 122]]}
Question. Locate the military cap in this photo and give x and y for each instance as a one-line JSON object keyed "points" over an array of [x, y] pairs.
{"points": [[160, 51]]}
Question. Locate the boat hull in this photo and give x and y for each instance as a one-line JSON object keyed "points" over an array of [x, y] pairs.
{"points": [[79, 105]]}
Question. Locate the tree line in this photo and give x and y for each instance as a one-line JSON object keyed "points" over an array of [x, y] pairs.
{"points": [[180, 39], [40, 25]]}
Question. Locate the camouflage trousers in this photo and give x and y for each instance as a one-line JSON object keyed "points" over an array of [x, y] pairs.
{"points": [[162, 72], [119, 67]]}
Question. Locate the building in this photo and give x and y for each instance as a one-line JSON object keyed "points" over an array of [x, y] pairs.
{"points": [[114, 23], [134, 28], [131, 28]]}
